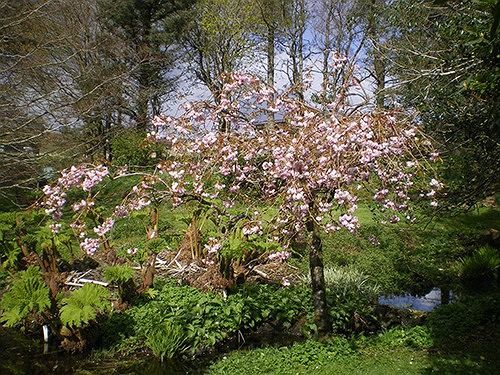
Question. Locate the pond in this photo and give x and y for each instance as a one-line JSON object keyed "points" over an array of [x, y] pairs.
{"points": [[426, 303], [20, 355]]}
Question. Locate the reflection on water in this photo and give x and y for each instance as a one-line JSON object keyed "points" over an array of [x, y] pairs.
{"points": [[22, 356], [425, 303]]}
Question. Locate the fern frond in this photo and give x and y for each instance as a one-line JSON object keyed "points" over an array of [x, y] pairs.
{"points": [[27, 294], [118, 274], [83, 305]]}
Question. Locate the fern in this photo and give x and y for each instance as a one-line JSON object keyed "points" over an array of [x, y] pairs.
{"points": [[119, 274], [28, 294], [83, 305]]}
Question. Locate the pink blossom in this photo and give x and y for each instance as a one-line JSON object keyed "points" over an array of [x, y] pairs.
{"points": [[213, 245], [104, 228], [280, 256], [90, 245], [55, 228], [132, 251]]}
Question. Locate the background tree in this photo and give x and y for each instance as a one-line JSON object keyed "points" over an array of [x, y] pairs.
{"points": [[219, 42], [150, 30], [294, 44], [446, 65], [341, 40]]}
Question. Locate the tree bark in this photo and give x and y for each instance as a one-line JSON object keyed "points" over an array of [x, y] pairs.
{"points": [[149, 273], [271, 36], [379, 64], [326, 56], [321, 316]]}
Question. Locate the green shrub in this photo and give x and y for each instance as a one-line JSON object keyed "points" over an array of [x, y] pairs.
{"points": [[267, 303], [9, 250], [130, 148], [208, 319], [301, 358], [28, 294], [345, 282], [417, 337], [84, 305], [480, 271], [167, 340]]}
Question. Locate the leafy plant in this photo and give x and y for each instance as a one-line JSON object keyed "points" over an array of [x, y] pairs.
{"points": [[9, 251], [417, 337], [344, 282], [167, 340], [119, 274], [122, 276], [454, 324], [84, 305], [480, 271], [352, 297], [28, 294], [208, 319]]}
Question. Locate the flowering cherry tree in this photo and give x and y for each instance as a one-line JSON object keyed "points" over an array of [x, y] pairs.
{"points": [[302, 176], [298, 177]]}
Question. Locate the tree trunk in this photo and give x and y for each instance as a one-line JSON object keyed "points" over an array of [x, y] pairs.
{"points": [[270, 65], [379, 69], [326, 60], [224, 126], [142, 104], [300, 48], [379, 65], [149, 273], [321, 317]]}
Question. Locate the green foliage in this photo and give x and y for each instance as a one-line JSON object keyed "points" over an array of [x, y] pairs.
{"points": [[266, 303], [84, 305], [346, 282], [351, 296], [375, 252], [167, 340], [207, 319], [119, 274], [27, 294], [130, 148], [239, 246], [456, 323], [418, 337], [301, 358], [447, 57], [480, 271], [155, 245], [409, 259], [9, 250]]}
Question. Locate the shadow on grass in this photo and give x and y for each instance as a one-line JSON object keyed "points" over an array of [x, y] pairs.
{"points": [[466, 337]]}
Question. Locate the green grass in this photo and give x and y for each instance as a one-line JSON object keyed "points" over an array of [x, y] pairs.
{"points": [[402, 361], [398, 351]]}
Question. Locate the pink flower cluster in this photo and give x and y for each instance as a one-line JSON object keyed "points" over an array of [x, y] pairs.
{"points": [[250, 229], [82, 177], [90, 245], [314, 164], [104, 228], [280, 256], [213, 245]]}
